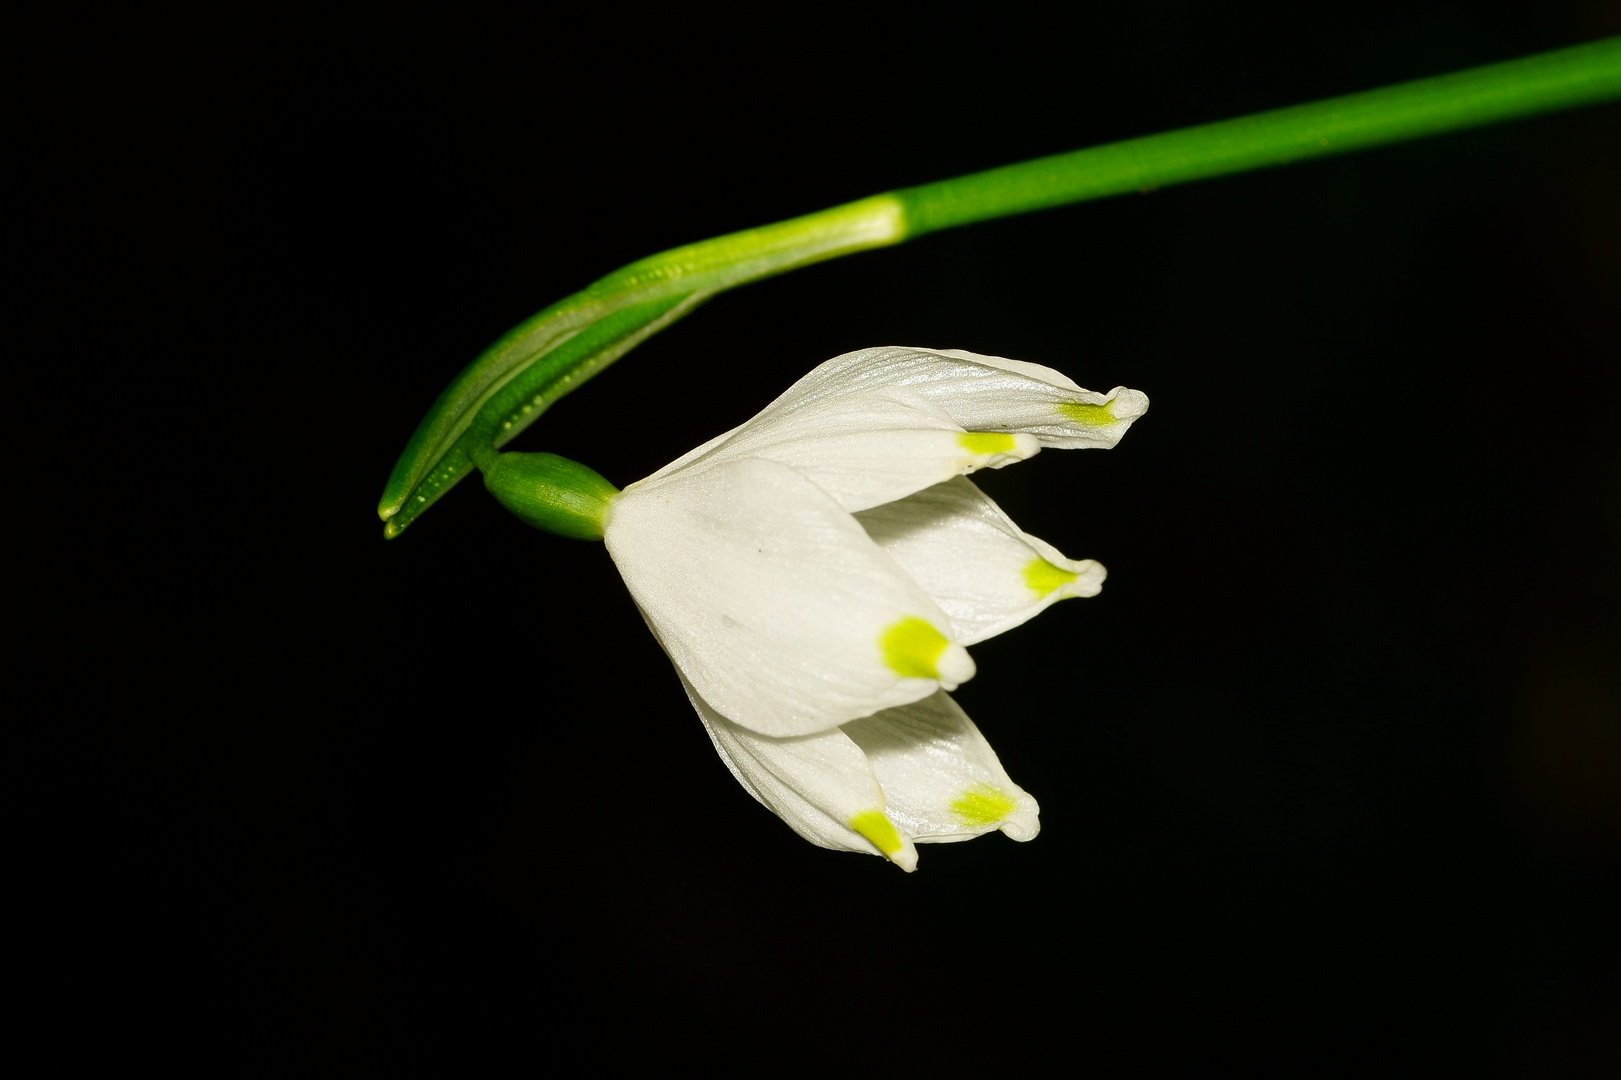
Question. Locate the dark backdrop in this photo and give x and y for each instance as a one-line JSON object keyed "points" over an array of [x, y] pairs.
{"points": [[1328, 773]]}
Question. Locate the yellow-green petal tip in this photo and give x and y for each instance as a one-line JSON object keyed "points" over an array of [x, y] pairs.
{"points": [[1043, 577], [911, 648], [879, 829], [985, 443], [982, 806], [1089, 415]]}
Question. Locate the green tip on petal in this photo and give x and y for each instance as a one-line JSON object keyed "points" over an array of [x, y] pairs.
{"points": [[1043, 577], [982, 806], [1090, 415], [876, 827], [984, 443], [912, 648]]}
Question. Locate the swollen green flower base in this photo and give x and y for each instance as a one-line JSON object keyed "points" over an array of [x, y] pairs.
{"points": [[557, 350], [551, 493]]}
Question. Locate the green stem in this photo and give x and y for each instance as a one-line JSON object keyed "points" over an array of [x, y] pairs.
{"points": [[1547, 82], [553, 353]]}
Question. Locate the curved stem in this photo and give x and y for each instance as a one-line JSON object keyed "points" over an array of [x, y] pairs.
{"points": [[556, 351]]}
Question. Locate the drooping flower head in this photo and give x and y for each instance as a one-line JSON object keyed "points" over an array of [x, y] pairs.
{"points": [[816, 573]]}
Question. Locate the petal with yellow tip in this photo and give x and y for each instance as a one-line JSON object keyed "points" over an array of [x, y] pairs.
{"points": [[942, 781], [821, 785], [984, 572], [773, 602]]}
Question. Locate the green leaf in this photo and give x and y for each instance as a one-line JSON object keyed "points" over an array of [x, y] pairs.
{"points": [[556, 351]]}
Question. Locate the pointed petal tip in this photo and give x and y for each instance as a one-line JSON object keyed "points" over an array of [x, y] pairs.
{"points": [[1126, 403], [876, 828], [954, 666], [1089, 578], [1022, 828]]}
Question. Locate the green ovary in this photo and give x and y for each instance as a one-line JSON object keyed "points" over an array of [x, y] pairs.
{"points": [[982, 806], [1043, 577], [1090, 415], [912, 648], [876, 827]]}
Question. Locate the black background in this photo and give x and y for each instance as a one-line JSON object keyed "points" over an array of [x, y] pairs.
{"points": [[1328, 773]]}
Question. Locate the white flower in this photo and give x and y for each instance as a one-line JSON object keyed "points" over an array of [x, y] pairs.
{"points": [[815, 573]]}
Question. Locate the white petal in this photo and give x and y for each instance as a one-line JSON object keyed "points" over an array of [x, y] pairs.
{"points": [[986, 573], [820, 785], [851, 415], [865, 449], [993, 393], [979, 393], [773, 602], [941, 779], [1023, 367]]}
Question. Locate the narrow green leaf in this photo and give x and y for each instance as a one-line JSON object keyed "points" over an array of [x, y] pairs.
{"points": [[539, 361]]}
